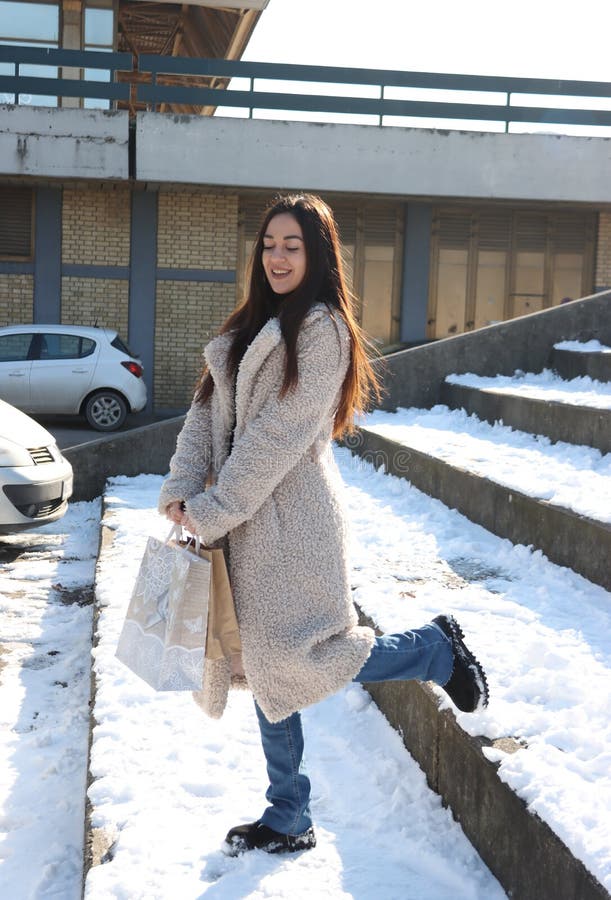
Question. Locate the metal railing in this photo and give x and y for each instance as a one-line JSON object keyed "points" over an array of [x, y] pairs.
{"points": [[45, 86], [152, 80]]}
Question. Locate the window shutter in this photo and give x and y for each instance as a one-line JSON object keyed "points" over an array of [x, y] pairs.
{"points": [[494, 231], [453, 229], [570, 233], [251, 212], [16, 222], [380, 225], [531, 232]]}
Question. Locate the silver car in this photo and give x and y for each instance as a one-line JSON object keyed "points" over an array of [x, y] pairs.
{"points": [[73, 370]]}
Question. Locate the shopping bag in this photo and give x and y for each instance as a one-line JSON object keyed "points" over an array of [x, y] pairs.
{"points": [[163, 638], [223, 638]]}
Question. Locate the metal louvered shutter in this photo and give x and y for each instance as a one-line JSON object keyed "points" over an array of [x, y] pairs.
{"points": [[252, 207], [453, 229], [494, 231], [16, 223]]}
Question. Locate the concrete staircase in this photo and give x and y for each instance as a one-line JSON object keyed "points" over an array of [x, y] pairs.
{"points": [[559, 421], [530, 861]]}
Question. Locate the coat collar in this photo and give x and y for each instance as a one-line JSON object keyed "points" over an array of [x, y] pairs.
{"points": [[217, 351]]}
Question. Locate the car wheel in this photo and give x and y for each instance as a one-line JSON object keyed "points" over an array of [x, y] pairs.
{"points": [[106, 411]]}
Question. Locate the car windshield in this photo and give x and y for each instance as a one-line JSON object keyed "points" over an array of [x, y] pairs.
{"points": [[120, 344]]}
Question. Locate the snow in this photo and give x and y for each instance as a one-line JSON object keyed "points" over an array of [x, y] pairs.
{"points": [[542, 631], [46, 613], [592, 346], [574, 477], [169, 783], [545, 385]]}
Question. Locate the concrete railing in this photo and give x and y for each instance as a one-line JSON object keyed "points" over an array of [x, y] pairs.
{"points": [[141, 450]]}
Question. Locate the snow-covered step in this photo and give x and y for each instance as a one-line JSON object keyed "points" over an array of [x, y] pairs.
{"points": [[544, 636], [167, 783], [576, 411], [574, 358], [556, 497]]}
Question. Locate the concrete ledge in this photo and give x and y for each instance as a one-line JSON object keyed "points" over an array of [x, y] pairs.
{"points": [[140, 450], [64, 143], [417, 162], [521, 850], [414, 377], [565, 537], [98, 841], [570, 364], [558, 421]]}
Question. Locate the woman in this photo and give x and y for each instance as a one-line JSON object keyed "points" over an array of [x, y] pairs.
{"points": [[286, 374]]}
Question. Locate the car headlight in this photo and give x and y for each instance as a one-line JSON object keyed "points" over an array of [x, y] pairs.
{"points": [[12, 454]]}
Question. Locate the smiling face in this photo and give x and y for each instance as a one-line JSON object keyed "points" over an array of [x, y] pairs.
{"points": [[284, 255]]}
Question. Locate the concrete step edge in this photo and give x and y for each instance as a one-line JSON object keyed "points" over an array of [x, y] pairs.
{"points": [[574, 364], [520, 849], [98, 843], [566, 538], [557, 421]]}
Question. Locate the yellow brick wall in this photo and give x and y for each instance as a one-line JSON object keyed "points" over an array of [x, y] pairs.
{"points": [[16, 299], [86, 299], [197, 230], [188, 315], [603, 251], [96, 227]]}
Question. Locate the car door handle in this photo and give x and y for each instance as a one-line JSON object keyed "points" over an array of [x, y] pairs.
{"points": [[79, 371], [16, 374]]}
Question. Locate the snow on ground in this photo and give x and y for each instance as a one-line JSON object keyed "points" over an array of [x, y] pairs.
{"points": [[576, 477], [169, 783], [46, 616], [545, 385], [583, 346]]}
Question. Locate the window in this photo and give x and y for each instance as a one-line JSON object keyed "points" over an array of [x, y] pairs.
{"points": [[98, 34], [16, 223], [15, 347], [65, 346], [119, 344], [29, 24], [488, 265], [36, 23]]}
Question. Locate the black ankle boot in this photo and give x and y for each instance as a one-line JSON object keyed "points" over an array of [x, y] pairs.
{"points": [[467, 687], [257, 836]]}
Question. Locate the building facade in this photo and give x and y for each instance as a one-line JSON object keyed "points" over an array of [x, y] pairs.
{"points": [[117, 215]]}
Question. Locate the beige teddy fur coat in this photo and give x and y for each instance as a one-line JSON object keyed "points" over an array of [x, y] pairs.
{"points": [[277, 498]]}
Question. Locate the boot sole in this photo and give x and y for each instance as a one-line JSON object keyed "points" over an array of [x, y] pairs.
{"points": [[469, 659]]}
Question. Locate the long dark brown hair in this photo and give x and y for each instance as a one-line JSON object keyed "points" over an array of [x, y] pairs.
{"points": [[323, 281]]}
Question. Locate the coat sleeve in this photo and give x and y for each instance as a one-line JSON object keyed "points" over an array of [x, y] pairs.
{"points": [[274, 441], [191, 460]]}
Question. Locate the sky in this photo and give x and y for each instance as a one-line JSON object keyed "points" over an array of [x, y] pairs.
{"points": [[530, 38]]}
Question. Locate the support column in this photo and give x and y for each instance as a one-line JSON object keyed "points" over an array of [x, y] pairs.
{"points": [[48, 255], [71, 39], [416, 265], [142, 284]]}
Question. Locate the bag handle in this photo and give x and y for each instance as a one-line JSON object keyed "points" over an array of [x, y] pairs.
{"points": [[176, 532]]}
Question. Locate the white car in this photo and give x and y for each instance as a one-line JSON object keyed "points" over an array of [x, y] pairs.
{"points": [[74, 370], [35, 479]]}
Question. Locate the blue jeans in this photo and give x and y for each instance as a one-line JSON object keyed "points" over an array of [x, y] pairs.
{"points": [[424, 654]]}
